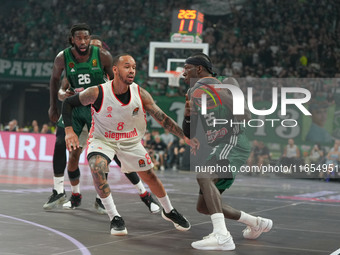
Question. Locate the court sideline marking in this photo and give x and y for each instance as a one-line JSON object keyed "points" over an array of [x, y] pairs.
{"points": [[78, 244]]}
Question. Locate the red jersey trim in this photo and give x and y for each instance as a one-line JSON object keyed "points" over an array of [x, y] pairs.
{"points": [[117, 97]]}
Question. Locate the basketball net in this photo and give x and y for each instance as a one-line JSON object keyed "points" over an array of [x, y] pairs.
{"points": [[174, 76]]}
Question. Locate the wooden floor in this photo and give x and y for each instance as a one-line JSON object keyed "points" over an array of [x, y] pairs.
{"points": [[305, 215]]}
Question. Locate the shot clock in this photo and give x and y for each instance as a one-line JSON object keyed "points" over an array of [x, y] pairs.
{"points": [[187, 26]]}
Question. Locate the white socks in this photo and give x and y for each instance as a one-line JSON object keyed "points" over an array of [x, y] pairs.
{"points": [[248, 219], [140, 187], [219, 224], [75, 189], [110, 206], [59, 184], [166, 204]]}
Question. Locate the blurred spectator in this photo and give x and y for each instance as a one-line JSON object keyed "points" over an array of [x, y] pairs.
{"points": [[159, 149], [259, 155], [34, 128], [180, 152], [333, 161], [172, 159], [291, 155], [12, 126], [315, 156], [317, 132], [45, 129], [168, 139]]}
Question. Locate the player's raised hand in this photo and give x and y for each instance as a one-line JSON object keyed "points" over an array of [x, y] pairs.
{"points": [[194, 144]]}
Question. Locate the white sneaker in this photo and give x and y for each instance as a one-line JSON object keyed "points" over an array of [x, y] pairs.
{"points": [[263, 225], [162, 168], [215, 242]]}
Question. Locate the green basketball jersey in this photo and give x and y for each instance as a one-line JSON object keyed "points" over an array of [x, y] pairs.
{"points": [[86, 74], [82, 75], [219, 133], [228, 140]]}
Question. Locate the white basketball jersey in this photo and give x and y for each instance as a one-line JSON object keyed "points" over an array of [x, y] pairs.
{"points": [[116, 122], [291, 151]]}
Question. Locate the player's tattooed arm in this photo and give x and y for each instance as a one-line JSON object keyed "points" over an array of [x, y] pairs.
{"points": [[98, 166], [89, 95], [164, 120]]}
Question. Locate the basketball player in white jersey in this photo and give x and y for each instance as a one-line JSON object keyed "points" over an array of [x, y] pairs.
{"points": [[118, 126]]}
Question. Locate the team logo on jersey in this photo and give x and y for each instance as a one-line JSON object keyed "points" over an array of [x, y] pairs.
{"points": [[94, 62], [109, 111], [141, 163], [135, 111], [71, 64]]}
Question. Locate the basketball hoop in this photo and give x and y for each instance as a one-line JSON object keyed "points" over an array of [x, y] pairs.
{"points": [[174, 76]]}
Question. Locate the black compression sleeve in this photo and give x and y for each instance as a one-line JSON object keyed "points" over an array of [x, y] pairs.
{"points": [[68, 105], [98, 103], [187, 122], [186, 126]]}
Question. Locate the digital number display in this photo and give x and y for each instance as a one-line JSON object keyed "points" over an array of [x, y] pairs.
{"points": [[187, 22]]}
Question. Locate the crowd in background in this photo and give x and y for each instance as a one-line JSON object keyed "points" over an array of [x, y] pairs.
{"points": [[13, 126], [272, 38], [317, 162]]}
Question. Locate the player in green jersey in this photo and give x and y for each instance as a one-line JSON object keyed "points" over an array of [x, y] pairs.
{"points": [[229, 150]]}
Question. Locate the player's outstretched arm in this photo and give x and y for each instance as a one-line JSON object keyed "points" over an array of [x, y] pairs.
{"points": [[164, 120], [86, 97]]}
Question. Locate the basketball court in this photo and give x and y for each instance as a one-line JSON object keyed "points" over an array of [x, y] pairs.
{"points": [[305, 215]]}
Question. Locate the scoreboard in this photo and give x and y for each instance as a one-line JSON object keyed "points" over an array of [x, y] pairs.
{"points": [[187, 26]]}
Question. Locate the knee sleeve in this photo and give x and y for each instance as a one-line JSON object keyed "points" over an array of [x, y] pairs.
{"points": [[133, 177], [59, 155], [74, 176]]}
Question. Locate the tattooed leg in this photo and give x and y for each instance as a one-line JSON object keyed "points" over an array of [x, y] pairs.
{"points": [[98, 165]]}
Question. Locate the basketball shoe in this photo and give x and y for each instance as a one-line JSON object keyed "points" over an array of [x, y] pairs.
{"points": [[99, 206], [263, 225], [54, 200], [150, 202], [74, 201], [179, 221], [117, 226], [215, 242]]}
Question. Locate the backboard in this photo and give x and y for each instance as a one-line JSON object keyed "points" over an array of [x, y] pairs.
{"points": [[167, 56]]}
